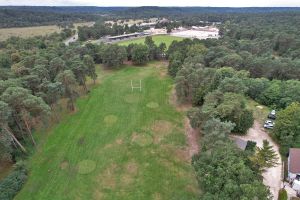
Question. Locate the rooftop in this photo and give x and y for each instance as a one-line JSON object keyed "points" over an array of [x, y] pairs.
{"points": [[240, 143], [294, 163], [126, 35]]}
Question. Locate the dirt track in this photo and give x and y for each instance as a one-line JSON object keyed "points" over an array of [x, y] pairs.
{"points": [[272, 176], [192, 136]]}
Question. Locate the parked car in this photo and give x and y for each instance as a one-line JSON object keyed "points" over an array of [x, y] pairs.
{"points": [[272, 115], [269, 124]]}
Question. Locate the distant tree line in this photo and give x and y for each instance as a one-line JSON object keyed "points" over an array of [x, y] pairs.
{"points": [[10, 17]]}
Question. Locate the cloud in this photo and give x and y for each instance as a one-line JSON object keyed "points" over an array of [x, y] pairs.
{"points": [[212, 3]]}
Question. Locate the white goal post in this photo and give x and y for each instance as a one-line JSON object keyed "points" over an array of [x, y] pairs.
{"points": [[136, 87]]}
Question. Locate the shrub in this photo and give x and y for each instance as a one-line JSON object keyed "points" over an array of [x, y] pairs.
{"points": [[244, 122], [282, 195], [13, 183], [251, 146], [139, 54]]}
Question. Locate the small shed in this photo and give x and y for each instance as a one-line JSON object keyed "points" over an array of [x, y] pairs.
{"points": [[240, 143]]}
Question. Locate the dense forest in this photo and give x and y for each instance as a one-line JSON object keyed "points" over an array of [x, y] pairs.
{"points": [[17, 18], [257, 57], [22, 16]]}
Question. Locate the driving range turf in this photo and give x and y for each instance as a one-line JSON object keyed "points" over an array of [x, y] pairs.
{"points": [[118, 145]]}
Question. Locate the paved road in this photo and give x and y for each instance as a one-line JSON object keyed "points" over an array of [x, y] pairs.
{"points": [[74, 38], [271, 177]]}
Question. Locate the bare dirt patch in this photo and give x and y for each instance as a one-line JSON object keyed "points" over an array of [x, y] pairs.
{"points": [[161, 129], [107, 178], [64, 165], [192, 138], [182, 154], [162, 69], [119, 141], [141, 139], [132, 168], [130, 171], [162, 126], [98, 195], [126, 180], [180, 107], [163, 73]]}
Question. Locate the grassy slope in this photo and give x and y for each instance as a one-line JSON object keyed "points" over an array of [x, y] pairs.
{"points": [[26, 32], [156, 38], [134, 159], [260, 112]]}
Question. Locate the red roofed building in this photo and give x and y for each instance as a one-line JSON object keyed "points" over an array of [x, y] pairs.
{"points": [[294, 164]]}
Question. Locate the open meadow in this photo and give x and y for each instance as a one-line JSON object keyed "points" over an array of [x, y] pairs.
{"points": [[167, 39], [26, 32], [120, 144]]}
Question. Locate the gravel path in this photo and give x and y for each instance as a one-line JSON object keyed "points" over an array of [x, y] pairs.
{"points": [[74, 38], [272, 176]]}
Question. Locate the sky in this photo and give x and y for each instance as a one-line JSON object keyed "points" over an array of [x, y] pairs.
{"points": [[211, 3]]}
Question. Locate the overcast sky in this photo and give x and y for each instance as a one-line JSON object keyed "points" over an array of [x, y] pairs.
{"points": [[212, 3]]}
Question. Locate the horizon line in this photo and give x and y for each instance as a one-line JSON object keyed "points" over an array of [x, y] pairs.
{"points": [[150, 6]]}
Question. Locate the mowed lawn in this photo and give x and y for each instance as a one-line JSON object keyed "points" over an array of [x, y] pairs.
{"points": [[167, 39], [118, 145]]}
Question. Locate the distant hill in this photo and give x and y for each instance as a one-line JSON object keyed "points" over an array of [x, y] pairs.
{"points": [[66, 9], [149, 9], [21, 16], [165, 11]]}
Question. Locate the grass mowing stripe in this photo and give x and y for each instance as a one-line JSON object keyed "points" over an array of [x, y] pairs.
{"points": [[85, 158]]}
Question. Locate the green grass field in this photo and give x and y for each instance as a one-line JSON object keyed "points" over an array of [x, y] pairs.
{"points": [[156, 38], [118, 145]]}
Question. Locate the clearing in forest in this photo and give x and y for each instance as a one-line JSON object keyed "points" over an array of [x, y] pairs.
{"points": [[31, 31], [118, 145], [167, 39]]}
